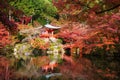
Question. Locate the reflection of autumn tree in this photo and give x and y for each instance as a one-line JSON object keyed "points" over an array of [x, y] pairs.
{"points": [[82, 69], [5, 72], [90, 24]]}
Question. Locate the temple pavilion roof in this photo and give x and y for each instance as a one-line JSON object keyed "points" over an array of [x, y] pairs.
{"points": [[51, 27]]}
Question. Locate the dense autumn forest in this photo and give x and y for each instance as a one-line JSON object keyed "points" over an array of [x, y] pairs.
{"points": [[59, 39]]}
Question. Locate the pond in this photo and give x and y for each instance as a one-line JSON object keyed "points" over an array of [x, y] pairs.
{"points": [[107, 67], [91, 68]]}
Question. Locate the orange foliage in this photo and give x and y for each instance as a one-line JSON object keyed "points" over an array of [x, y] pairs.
{"points": [[4, 36], [23, 26], [39, 43], [96, 33], [84, 28]]}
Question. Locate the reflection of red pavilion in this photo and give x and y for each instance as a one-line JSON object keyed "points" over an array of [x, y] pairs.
{"points": [[48, 31]]}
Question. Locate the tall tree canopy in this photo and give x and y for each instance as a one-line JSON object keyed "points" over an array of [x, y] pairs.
{"points": [[5, 9], [82, 8], [90, 24], [39, 9]]}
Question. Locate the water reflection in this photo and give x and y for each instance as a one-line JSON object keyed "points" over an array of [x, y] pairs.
{"points": [[92, 68], [107, 67]]}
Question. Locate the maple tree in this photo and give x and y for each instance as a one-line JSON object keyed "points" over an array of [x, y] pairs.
{"points": [[89, 24], [7, 26], [5, 9], [4, 36]]}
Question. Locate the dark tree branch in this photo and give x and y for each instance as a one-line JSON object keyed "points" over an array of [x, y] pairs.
{"points": [[108, 9]]}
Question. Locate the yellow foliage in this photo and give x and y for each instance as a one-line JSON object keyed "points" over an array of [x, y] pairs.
{"points": [[23, 26]]}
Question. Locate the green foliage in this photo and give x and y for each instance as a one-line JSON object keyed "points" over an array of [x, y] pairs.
{"points": [[39, 9], [20, 37], [22, 51], [7, 51]]}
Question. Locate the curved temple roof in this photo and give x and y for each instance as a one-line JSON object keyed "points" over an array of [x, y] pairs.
{"points": [[52, 27]]}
